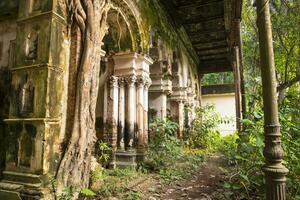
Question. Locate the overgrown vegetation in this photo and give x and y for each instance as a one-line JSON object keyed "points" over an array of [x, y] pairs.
{"points": [[167, 155], [204, 134], [245, 150], [246, 181], [218, 78], [168, 160]]}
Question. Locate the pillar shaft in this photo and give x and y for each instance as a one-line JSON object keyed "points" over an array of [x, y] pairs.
{"points": [[121, 124], [140, 112], [112, 115], [131, 111], [237, 83], [146, 107], [275, 172], [180, 118]]}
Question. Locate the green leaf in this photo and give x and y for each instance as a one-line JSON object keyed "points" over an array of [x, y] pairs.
{"points": [[87, 192], [226, 185]]}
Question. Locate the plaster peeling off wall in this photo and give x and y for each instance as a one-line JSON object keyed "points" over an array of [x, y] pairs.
{"points": [[7, 36], [225, 106]]}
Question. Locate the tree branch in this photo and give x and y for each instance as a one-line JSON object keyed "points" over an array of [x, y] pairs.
{"points": [[289, 83]]}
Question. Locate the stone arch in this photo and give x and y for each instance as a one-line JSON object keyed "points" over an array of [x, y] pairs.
{"points": [[131, 15]]}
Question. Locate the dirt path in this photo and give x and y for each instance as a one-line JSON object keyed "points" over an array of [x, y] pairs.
{"points": [[205, 184]]}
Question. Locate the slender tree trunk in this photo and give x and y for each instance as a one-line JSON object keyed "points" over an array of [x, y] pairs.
{"points": [[90, 17]]}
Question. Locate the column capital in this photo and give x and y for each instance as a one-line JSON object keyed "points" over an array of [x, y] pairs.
{"points": [[141, 81], [113, 80], [122, 81], [130, 80], [148, 83]]}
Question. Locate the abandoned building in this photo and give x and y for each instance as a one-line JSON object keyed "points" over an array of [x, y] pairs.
{"points": [[144, 71]]}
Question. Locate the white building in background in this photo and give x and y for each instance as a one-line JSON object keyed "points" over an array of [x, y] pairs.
{"points": [[223, 98]]}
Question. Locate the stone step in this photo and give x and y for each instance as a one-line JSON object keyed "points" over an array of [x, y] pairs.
{"points": [[30, 180], [124, 165], [9, 195], [126, 157]]}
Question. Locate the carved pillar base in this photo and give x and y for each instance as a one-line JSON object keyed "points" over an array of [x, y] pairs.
{"points": [[275, 182]]}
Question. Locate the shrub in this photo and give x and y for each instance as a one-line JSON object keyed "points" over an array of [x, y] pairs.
{"points": [[204, 132]]}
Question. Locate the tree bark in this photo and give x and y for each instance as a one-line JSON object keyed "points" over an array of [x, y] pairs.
{"points": [[74, 168]]}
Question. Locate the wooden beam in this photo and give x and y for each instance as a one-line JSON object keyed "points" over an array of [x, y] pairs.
{"points": [[212, 57], [214, 51], [213, 25], [218, 62], [205, 20], [214, 69], [210, 45], [208, 36]]}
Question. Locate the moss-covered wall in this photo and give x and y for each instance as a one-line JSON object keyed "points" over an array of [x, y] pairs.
{"points": [[157, 23], [7, 37]]}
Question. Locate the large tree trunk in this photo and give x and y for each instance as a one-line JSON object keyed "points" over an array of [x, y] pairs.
{"points": [[90, 17]]}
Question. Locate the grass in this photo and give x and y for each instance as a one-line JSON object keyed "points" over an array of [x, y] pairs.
{"points": [[122, 183]]}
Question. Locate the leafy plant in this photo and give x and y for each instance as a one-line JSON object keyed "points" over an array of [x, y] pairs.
{"points": [[167, 155], [87, 192], [104, 151], [164, 146], [204, 132]]}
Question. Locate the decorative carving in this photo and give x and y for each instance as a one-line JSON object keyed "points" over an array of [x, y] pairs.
{"points": [[130, 80], [32, 45], [273, 150], [167, 69], [122, 82], [26, 98], [148, 83], [113, 80], [141, 81]]}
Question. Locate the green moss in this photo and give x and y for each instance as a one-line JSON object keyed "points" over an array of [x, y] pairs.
{"points": [[155, 18]]}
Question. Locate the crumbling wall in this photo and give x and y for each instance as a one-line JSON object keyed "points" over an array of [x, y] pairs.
{"points": [[7, 38]]}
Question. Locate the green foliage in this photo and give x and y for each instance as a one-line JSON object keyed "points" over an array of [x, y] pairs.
{"points": [[164, 147], [114, 183], [290, 129], [204, 132], [166, 154], [218, 78], [285, 21], [103, 152], [68, 193], [247, 179], [87, 192]]}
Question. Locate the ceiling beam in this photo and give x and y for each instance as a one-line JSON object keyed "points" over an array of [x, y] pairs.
{"points": [[198, 19], [210, 45], [214, 51], [215, 69], [208, 37], [213, 57]]}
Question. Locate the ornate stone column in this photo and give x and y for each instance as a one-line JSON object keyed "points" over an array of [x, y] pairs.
{"points": [[112, 112], [130, 112], [160, 88], [275, 171], [140, 112], [146, 107], [180, 119], [121, 124]]}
